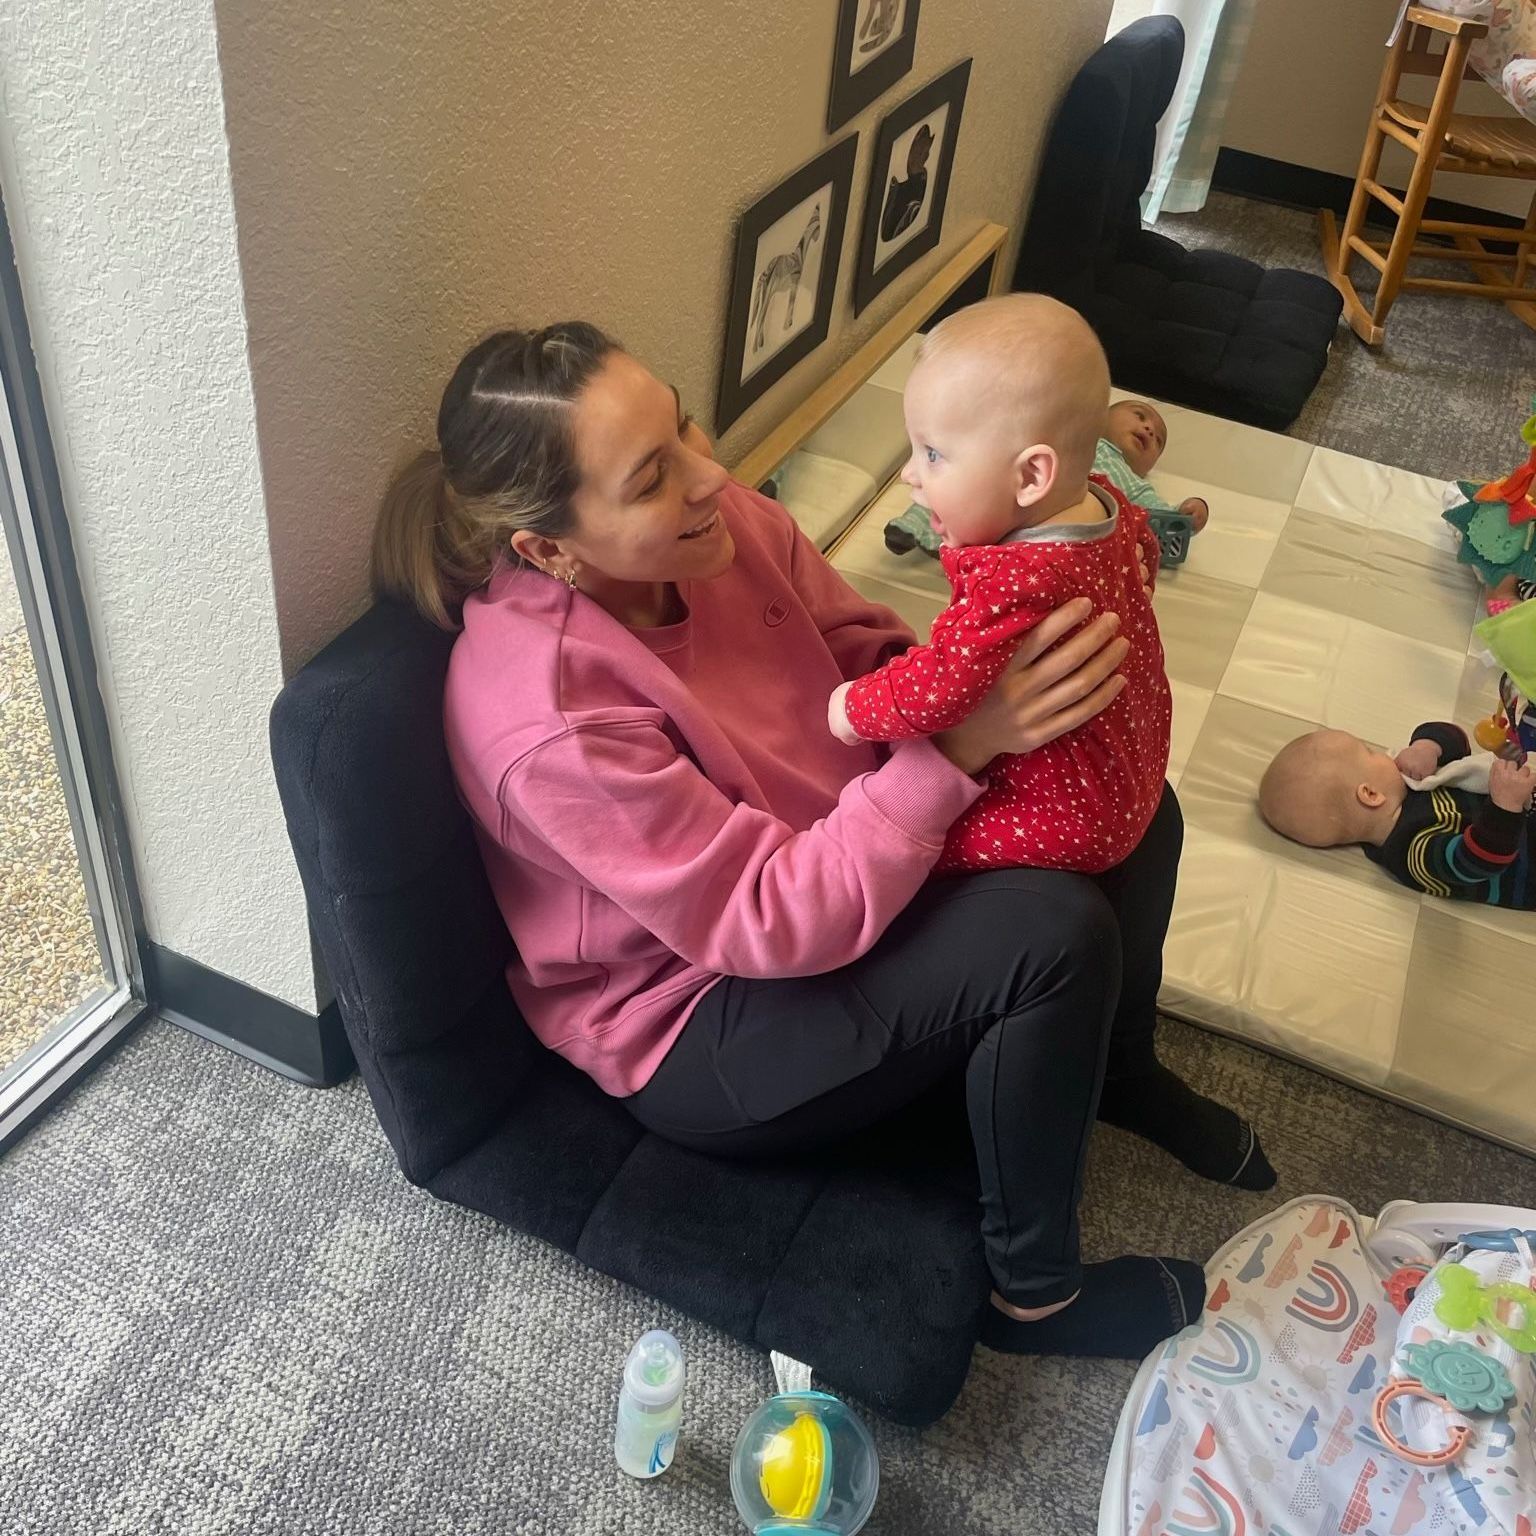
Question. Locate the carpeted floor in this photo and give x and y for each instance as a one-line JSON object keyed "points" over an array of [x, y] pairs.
{"points": [[1444, 394], [225, 1312]]}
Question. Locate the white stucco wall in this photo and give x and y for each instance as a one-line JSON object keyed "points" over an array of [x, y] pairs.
{"points": [[116, 179]]}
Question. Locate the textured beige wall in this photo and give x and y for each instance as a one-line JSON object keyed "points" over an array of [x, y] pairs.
{"points": [[1304, 94], [409, 173]]}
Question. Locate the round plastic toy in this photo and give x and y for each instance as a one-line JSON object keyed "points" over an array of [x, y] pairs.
{"points": [[804, 1462]]}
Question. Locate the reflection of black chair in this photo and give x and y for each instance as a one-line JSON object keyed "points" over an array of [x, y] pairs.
{"points": [[1200, 328], [865, 1262]]}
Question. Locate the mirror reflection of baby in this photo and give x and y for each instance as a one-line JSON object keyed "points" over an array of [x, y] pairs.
{"points": [[1438, 817], [1003, 408], [1135, 436]]}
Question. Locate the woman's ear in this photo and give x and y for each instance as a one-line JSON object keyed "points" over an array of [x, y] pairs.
{"points": [[1370, 797], [1034, 473], [535, 548]]}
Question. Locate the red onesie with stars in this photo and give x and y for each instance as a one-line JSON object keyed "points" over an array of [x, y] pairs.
{"points": [[1083, 801]]}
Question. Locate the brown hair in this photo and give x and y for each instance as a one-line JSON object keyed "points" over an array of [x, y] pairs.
{"points": [[505, 460]]}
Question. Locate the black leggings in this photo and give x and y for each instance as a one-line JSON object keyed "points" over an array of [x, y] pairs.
{"points": [[1012, 979]]}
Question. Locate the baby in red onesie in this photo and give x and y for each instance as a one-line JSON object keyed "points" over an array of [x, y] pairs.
{"points": [[1004, 408]]}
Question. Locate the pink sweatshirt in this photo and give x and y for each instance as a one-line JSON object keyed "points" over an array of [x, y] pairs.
{"points": [[658, 808]]}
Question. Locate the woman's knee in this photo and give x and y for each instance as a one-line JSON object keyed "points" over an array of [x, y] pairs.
{"points": [[1040, 928]]}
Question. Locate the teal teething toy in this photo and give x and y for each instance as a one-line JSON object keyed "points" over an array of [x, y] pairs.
{"points": [[1466, 1378]]}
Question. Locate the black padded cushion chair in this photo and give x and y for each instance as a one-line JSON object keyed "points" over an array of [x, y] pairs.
{"points": [[864, 1261], [1198, 328]]}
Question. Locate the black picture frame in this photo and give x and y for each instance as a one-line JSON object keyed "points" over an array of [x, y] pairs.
{"points": [[832, 170], [853, 90], [873, 271]]}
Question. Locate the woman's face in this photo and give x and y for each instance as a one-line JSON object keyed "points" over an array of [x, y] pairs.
{"points": [[648, 509]]}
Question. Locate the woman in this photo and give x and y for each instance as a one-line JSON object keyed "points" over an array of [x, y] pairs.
{"points": [[721, 912]]}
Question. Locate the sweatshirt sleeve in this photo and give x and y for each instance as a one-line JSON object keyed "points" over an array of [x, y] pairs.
{"points": [[860, 634], [725, 886], [1442, 853], [1451, 740], [935, 686]]}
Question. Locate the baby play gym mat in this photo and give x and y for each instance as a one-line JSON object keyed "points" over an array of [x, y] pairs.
{"points": [[1324, 592]]}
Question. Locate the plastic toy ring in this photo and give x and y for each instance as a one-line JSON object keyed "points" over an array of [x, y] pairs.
{"points": [[1407, 1387]]}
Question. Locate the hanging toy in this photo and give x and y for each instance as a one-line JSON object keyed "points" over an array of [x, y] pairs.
{"points": [[1497, 518], [1510, 636]]}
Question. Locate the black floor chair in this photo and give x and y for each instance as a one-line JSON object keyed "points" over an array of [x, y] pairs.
{"points": [[864, 1260], [1197, 328]]}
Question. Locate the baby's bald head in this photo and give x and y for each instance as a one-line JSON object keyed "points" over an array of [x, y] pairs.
{"points": [[1329, 788], [1035, 365]]}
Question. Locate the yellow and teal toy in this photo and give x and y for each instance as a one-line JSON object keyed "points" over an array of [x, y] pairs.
{"points": [[804, 1463]]}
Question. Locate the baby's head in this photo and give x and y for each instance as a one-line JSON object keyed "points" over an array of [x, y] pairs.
{"points": [[1004, 408], [1329, 788], [1137, 429]]}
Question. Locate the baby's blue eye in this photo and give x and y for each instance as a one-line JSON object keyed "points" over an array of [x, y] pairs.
{"points": [[931, 454]]}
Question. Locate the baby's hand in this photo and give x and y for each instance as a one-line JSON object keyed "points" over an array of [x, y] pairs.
{"points": [[1418, 759], [1510, 787], [1196, 507]]}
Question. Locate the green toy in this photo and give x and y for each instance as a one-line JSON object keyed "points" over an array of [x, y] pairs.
{"points": [[1497, 519], [1466, 1304]]}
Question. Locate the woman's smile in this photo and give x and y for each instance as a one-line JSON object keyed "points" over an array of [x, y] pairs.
{"points": [[704, 529]]}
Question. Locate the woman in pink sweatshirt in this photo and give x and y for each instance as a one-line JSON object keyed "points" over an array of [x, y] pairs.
{"points": [[722, 913]]}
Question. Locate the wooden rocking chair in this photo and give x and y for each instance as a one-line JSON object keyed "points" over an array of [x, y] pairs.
{"points": [[1440, 138]]}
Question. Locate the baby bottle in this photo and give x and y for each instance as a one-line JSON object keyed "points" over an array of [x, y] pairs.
{"points": [[650, 1405]]}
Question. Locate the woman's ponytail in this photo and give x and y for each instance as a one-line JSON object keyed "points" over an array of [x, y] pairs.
{"points": [[507, 461]]}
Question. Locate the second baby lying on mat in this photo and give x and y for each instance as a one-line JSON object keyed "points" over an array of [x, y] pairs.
{"points": [[1438, 817]]}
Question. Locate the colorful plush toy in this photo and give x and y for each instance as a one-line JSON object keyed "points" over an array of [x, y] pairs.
{"points": [[1497, 519]]}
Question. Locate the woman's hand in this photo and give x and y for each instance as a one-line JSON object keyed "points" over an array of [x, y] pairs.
{"points": [[1048, 689]]}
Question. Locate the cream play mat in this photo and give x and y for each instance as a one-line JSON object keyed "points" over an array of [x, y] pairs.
{"points": [[1324, 592]]}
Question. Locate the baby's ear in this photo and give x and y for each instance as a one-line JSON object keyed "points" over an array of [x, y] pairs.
{"points": [[1034, 474], [1369, 796]]}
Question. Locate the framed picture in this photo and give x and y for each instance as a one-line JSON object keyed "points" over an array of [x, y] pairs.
{"points": [[787, 253], [875, 39], [909, 183]]}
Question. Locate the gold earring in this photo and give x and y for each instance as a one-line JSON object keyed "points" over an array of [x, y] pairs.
{"points": [[568, 576]]}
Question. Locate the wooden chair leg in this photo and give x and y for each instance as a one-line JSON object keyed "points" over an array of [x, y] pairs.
{"points": [[1523, 260], [1354, 219], [1370, 154], [1430, 141]]}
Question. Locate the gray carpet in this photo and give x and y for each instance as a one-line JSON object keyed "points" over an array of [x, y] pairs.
{"points": [[225, 1312], [1444, 394]]}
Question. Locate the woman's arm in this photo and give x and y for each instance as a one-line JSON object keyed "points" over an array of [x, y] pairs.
{"points": [[728, 887]]}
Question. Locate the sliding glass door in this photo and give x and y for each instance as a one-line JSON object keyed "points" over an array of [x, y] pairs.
{"points": [[70, 977]]}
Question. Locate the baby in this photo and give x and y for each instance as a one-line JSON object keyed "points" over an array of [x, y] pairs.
{"points": [[1436, 817], [1003, 409], [1135, 436], [1133, 440]]}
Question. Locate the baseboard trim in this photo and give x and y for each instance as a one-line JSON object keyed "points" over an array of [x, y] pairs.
{"points": [[1299, 186], [307, 1048]]}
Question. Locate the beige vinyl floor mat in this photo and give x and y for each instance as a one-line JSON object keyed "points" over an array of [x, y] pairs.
{"points": [[1325, 591]]}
